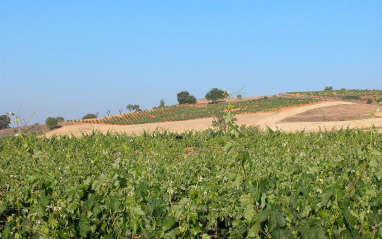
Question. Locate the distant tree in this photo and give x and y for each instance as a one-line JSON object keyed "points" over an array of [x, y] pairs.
{"points": [[51, 123], [343, 89], [4, 121], [120, 111], [216, 94], [131, 107], [161, 104], [60, 119], [182, 97], [239, 96], [191, 99], [136, 107], [185, 98], [328, 88], [89, 116], [108, 112]]}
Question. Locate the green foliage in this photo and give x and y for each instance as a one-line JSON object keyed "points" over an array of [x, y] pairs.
{"points": [[351, 97], [51, 123], [216, 94], [328, 88], [161, 104], [187, 112], [89, 116], [4, 121], [219, 121], [184, 97], [190, 99], [369, 101], [239, 96], [60, 119], [131, 107], [171, 185], [340, 93]]}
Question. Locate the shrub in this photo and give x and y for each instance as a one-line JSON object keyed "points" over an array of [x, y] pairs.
{"points": [[216, 94], [239, 96], [191, 99], [219, 122], [369, 101], [328, 88], [184, 97], [60, 119], [89, 116], [51, 123], [4, 121]]}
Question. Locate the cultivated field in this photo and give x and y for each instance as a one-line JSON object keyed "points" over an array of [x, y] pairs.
{"points": [[187, 180], [311, 118]]}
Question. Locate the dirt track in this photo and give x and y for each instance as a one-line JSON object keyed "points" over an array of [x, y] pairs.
{"points": [[264, 120]]}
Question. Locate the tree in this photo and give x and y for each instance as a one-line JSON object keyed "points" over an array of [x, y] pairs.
{"points": [[215, 94], [89, 116], [4, 121], [131, 107], [185, 98], [108, 112], [328, 88], [191, 99], [51, 123], [161, 105], [60, 119]]}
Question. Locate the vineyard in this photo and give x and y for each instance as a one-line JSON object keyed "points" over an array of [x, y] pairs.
{"points": [[183, 185], [345, 94], [187, 112]]}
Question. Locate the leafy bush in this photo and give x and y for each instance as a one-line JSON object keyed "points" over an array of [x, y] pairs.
{"points": [[4, 121], [216, 94], [369, 101], [191, 99], [219, 122], [60, 119], [89, 116], [239, 96], [328, 88], [51, 123], [184, 97]]}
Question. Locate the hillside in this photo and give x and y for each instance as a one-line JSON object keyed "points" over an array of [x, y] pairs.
{"points": [[262, 111]]}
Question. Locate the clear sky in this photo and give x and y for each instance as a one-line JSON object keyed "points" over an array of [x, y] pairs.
{"points": [[70, 58]]}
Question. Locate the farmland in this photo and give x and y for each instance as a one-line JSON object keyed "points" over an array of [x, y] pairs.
{"points": [[166, 184], [188, 112], [345, 94]]}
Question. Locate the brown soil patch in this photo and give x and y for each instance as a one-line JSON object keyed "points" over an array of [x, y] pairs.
{"points": [[334, 113]]}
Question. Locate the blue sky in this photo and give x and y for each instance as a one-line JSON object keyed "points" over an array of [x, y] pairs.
{"points": [[70, 58]]}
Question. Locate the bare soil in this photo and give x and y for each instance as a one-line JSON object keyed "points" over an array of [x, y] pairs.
{"points": [[341, 112], [311, 118]]}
